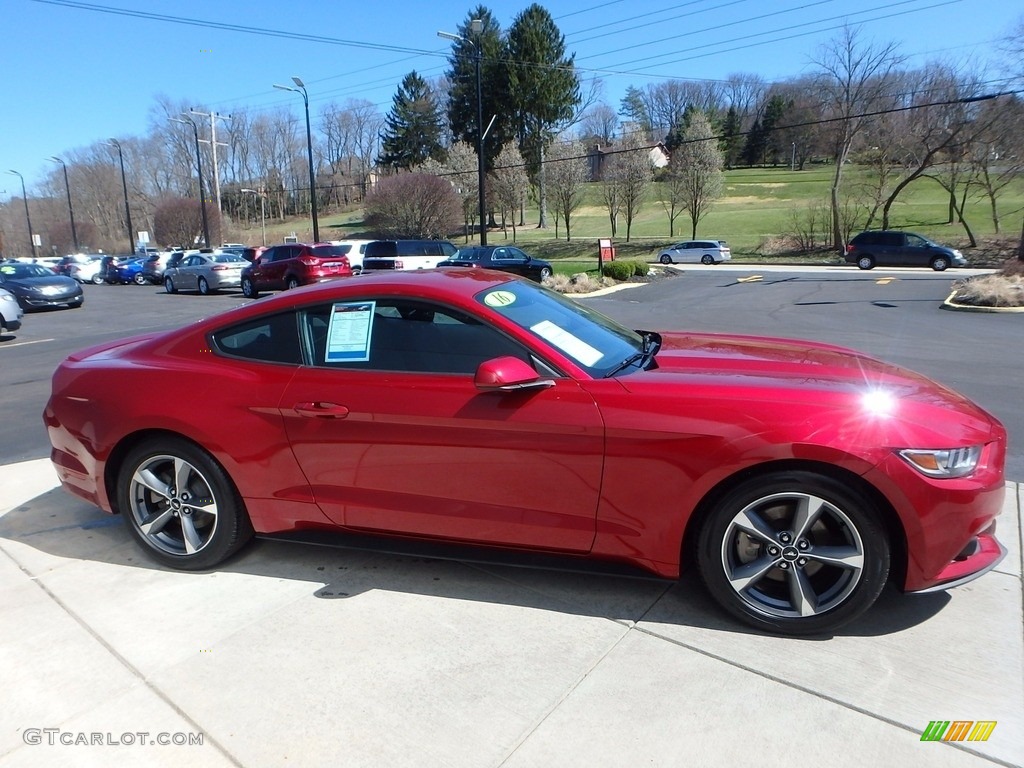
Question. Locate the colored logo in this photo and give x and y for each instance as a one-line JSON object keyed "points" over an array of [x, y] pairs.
{"points": [[958, 730]]}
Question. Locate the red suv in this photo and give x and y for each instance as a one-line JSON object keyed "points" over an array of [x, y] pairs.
{"points": [[294, 264]]}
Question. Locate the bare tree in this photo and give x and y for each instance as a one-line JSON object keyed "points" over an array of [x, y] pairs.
{"points": [[631, 172], [853, 80], [178, 221], [509, 184], [413, 205], [997, 156], [601, 121], [460, 170], [567, 174], [698, 164]]}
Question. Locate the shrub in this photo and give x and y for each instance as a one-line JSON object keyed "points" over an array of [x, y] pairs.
{"points": [[413, 205], [642, 268], [619, 270]]}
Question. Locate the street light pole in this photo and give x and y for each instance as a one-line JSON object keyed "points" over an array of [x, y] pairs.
{"points": [[71, 210], [127, 210], [476, 25], [199, 165], [24, 197], [263, 211], [309, 148]]}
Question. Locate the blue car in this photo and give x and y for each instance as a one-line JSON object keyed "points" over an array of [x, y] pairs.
{"points": [[124, 272]]}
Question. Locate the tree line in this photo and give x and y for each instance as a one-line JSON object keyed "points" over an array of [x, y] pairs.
{"points": [[548, 135]]}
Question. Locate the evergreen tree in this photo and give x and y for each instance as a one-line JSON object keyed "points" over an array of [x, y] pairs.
{"points": [[773, 114], [462, 94], [543, 88], [633, 107], [731, 143], [753, 149], [675, 137], [413, 127]]}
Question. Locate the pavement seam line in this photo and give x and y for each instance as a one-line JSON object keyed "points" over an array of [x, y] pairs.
{"points": [[532, 728], [819, 695], [123, 661]]}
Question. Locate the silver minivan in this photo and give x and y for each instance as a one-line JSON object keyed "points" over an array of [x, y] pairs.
{"points": [[696, 252]]}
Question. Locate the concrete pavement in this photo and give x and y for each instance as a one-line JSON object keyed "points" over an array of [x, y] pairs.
{"points": [[307, 656]]}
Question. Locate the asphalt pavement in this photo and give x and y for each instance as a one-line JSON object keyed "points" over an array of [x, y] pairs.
{"points": [[295, 655]]}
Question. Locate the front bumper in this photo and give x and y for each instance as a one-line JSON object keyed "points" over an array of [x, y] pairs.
{"points": [[43, 302], [981, 555]]}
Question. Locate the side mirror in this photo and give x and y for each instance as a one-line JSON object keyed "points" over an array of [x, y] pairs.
{"points": [[508, 374]]}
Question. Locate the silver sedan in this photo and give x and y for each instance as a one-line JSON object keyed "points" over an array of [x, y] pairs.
{"points": [[205, 272]]}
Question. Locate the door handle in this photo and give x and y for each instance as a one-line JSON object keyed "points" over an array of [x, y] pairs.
{"points": [[321, 410]]}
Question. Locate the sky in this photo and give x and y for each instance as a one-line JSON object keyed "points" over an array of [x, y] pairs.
{"points": [[75, 72]]}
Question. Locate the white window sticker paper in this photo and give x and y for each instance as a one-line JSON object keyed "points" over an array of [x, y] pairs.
{"points": [[348, 336], [576, 348]]}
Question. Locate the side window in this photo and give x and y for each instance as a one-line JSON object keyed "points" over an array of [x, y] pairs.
{"points": [[915, 241], [273, 339], [415, 337], [447, 249], [891, 239]]}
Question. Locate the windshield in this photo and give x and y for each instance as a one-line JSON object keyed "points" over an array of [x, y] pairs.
{"points": [[594, 342], [25, 270]]}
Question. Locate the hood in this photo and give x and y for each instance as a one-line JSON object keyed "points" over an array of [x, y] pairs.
{"points": [[792, 370]]}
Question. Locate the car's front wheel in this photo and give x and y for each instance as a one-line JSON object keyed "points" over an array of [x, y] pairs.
{"points": [[940, 263], [169, 285], [180, 505], [665, 258], [545, 273], [794, 552], [866, 262], [249, 289]]}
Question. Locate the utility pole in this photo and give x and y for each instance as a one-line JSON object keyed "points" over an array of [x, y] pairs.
{"points": [[214, 116]]}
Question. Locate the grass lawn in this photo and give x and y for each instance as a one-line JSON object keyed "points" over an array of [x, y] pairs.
{"points": [[758, 207]]}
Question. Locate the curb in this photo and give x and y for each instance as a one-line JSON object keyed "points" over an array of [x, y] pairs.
{"points": [[955, 307]]}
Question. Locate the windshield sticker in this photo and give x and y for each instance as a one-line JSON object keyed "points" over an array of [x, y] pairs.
{"points": [[576, 348], [348, 336], [499, 298]]}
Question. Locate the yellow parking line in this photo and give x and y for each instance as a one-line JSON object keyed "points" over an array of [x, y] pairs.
{"points": [[884, 280], [751, 279]]}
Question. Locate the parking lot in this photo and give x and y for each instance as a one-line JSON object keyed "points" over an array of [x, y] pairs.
{"points": [[303, 655]]}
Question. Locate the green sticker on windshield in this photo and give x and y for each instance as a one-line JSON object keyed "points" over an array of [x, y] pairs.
{"points": [[499, 298]]}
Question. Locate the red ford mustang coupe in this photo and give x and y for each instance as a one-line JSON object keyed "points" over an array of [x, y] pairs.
{"points": [[475, 407]]}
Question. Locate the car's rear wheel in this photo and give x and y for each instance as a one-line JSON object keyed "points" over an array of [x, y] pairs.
{"points": [[204, 286], [707, 258], [169, 285], [665, 258], [180, 505], [940, 263], [249, 289], [291, 283], [140, 279], [97, 280], [794, 552], [866, 262]]}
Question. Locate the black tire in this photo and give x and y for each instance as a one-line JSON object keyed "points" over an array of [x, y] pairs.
{"points": [[140, 279], [249, 289], [866, 262], [291, 283], [940, 263], [191, 528], [707, 258], [169, 285], [204, 286], [665, 258], [97, 279], [545, 273], [769, 569]]}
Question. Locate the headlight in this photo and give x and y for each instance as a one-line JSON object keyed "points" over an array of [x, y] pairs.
{"points": [[7, 297], [953, 462]]}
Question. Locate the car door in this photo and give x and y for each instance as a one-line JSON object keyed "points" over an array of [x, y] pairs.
{"points": [[403, 441], [186, 277], [916, 251]]}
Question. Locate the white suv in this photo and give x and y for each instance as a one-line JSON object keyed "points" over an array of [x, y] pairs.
{"points": [[696, 251]]}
